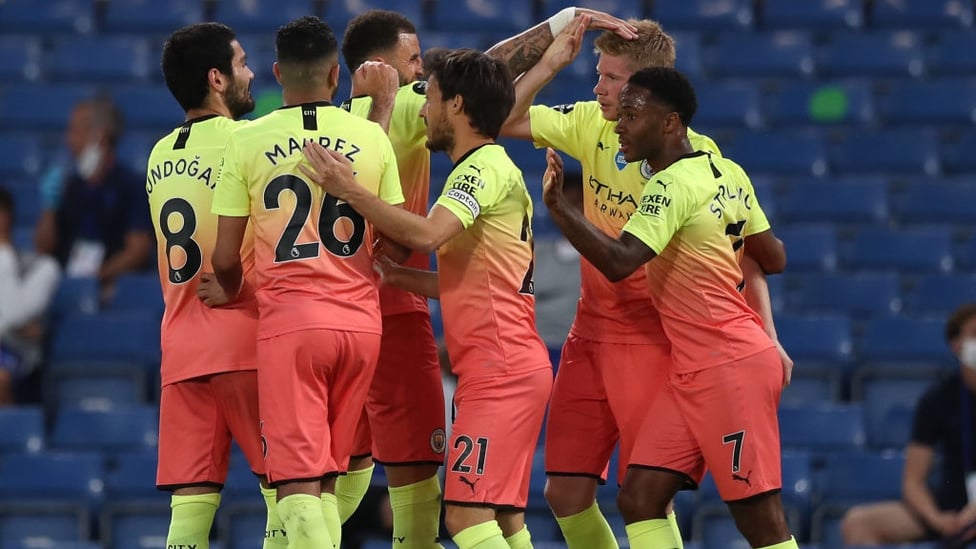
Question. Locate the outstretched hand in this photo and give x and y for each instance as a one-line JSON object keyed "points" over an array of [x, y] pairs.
{"points": [[604, 21], [331, 170], [566, 46]]}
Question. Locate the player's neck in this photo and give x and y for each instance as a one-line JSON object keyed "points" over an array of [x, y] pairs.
{"points": [[465, 142], [210, 107], [290, 98], [670, 154]]}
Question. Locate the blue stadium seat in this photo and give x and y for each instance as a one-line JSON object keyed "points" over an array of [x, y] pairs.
{"points": [[136, 526], [805, 103], [822, 429], [811, 14], [21, 429], [841, 202], [254, 16], [826, 526], [942, 102], [138, 292], [938, 295], [75, 477], [131, 476], [860, 294], [862, 54], [957, 154], [921, 14], [950, 53], [778, 152], [135, 146], [151, 107], [94, 391], [23, 238], [27, 202], [934, 201], [338, 13], [798, 482], [19, 58], [777, 293], [29, 544], [59, 16], [881, 391], [905, 340], [462, 16], [117, 430], [820, 339], [766, 188], [478, 40], [241, 483], [40, 107], [145, 16], [624, 9], [21, 155], [861, 476], [924, 249], [43, 526], [689, 54], [899, 151], [713, 525], [84, 59], [241, 524], [728, 105], [812, 385], [542, 526], [108, 337], [704, 15], [75, 296], [777, 54], [809, 247]]}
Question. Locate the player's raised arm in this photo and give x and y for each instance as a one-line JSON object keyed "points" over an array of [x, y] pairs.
{"points": [[380, 82]]}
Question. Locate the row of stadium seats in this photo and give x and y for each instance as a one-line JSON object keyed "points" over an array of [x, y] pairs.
{"points": [[473, 15]]}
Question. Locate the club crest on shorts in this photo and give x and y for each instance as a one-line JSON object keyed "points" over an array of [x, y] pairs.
{"points": [[645, 169], [621, 163], [438, 441]]}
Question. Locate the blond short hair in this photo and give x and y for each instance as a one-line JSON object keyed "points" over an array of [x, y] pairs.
{"points": [[652, 47]]}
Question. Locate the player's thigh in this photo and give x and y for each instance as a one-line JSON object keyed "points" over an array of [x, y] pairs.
{"points": [[633, 376], [665, 442], [362, 445], [498, 420], [355, 364], [194, 442], [888, 521], [237, 398], [580, 430], [406, 399], [732, 411]]}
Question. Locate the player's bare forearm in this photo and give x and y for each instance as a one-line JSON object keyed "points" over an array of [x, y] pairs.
{"points": [[522, 51], [381, 112], [407, 228], [227, 254], [416, 281], [756, 293], [133, 256], [518, 124]]}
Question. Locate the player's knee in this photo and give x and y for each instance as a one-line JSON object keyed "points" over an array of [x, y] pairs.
{"points": [[636, 504], [566, 497], [855, 530]]}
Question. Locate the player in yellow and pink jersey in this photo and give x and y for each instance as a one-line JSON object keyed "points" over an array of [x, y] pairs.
{"points": [[616, 350], [319, 329], [696, 216], [209, 380], [481, 229]]}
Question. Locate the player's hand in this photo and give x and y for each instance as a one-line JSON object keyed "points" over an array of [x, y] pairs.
{"points": [[386, 268], [332, 171], [784, 357], [210, 292], [566, 46], [552, 180], [377, 80], [604, 21]]}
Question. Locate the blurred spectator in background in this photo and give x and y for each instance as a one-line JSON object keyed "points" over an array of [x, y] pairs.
{"points": [[557, 272], [945, 421], [94, 218], [27, 284]]}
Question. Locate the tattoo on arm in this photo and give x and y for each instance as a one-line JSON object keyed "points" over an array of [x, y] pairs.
{"points": [[522, 52]]}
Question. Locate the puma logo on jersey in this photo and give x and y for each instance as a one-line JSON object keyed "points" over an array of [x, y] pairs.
{"points": [[663, 184], [469, 483], [475, 168], [601, 146], [744, 479]]}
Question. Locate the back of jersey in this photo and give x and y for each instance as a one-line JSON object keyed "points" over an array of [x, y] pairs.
{"points": [[180, 182], [313, 253]]}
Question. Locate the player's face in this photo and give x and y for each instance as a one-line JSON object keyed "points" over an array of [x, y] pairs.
{"points": [[640, 128], [238, 94], [440, 134], [613, 72], [406, 59]]}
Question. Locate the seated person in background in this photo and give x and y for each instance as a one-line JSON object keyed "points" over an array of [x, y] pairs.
{"points": [[27, 283], [944, 421], [95, 223]]}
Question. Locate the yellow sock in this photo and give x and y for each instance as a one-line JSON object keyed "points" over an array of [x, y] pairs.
{"points": [[416, 514], [587, 530], [302, 515], [274, 531], [651, 534], [520, 540], [788, 544], [673, 519], [330, 511], [486, 535], [191, 519], [350, 489]]}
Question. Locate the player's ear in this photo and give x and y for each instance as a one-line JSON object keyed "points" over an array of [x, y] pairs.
{"points": [[216, 79], [277, 71], [457, 104], [334, 76]]}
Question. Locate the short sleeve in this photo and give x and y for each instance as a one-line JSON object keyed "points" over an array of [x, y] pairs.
{"points": [[467, 194], [231, 197], [558, 127], [928, 420], [390, 190], [664, 208], [358, 106]]}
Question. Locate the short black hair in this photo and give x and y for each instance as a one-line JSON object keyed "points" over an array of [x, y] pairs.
{"points": [[372, 32], [307, 39], [483, 82], [434, 56], [6, 201], [958, 319], [189, 54], [669, 86]]}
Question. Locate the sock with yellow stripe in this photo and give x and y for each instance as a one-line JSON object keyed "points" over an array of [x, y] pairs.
{"points": [[191, 519], [416, 514], [587, 530], [788, 544], [652, 534], [302, 515], [520, 540], [350, 489], [673, 519], [486, 535], [274, 530], [330, 511]]}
